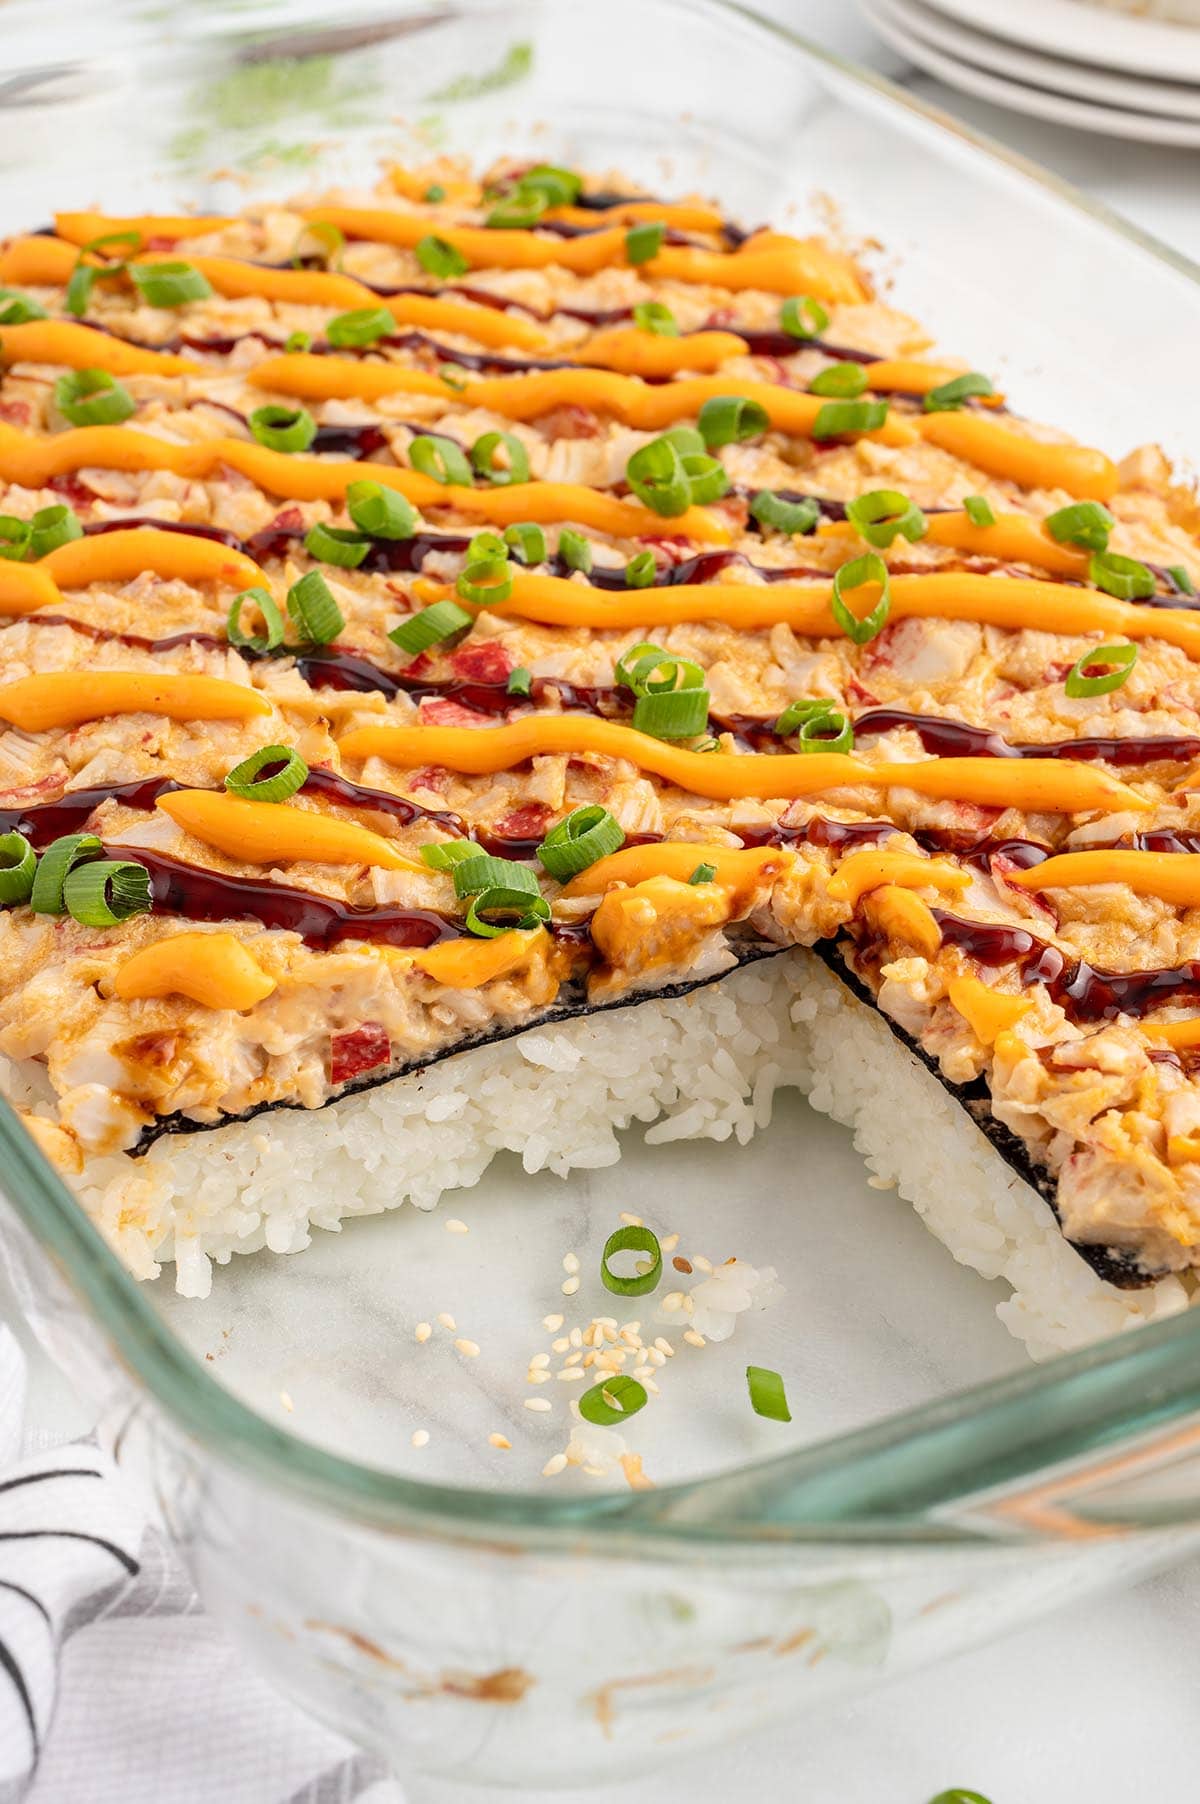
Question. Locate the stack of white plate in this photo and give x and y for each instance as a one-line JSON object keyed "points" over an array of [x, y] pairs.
{"points": [[1085, 63]]}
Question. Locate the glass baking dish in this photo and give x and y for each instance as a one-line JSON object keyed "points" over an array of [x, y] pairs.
{"points": [[478, 1634]]}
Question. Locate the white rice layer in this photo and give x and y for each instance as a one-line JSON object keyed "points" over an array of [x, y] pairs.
{"points": [[702, 1066]]}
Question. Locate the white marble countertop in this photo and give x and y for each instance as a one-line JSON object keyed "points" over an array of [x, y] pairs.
{"points": [[1050, 1713]]}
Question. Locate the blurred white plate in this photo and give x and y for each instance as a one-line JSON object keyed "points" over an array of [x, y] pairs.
{"points": [[1044, 103], [1171, 99], [1089, 34]]}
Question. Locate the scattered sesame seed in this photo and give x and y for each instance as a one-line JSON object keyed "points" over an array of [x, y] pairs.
{"points": [[656, 1356], [594, 1471], [285, 1397], [499, 1440], [702, 1264], [673, 1301], [454, 1226], [553, 1466], [468, 1348], [538, 1403], [569, 1373], [589, 1359], [606, 1321], [689, 1304], [423, 1331], [552, 1323], [573, 1359], [570, 1286], [631, 1328], [540, 1359], [576, 1337], [446, 1320], [560, 1345], [537, 1377], [875, 1182], [669, 1242], [570, 1262], [664, 1346], [681, 1264], [643, 1371], [650, 1385], [420, 1437], [693, 1339], [631, 1221]]}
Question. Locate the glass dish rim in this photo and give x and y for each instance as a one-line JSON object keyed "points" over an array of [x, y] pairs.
{"points": [[901, 1466]]}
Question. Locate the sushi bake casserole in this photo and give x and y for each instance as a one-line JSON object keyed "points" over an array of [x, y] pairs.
{"points": [[439, 617]]}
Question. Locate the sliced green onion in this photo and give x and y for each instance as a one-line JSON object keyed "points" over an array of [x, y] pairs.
{"points": [[527, 540], [14, 537], [335, 545], [803, 317], [520, 682], [298, 341], [440, 458], [731, 420], [1079, 683], [707, 478], [612, 1401], [52, 527], [443, 621], [678, 714], [246, 779], [107, 892], [657, 477], [838, 417], [361, 326], [686, 439], [485, 582], [656, 317], [1176, 572], [948, 397], [767, 1395], [84, 276], [1084, 523], [331, 238], [483, 456], [978, 510], [631, 1239], [1125, 577], [703, 873], [16, 308], [642, 242], [93, 398], [283, 428], [434, 193], [272, 620], [18, 863], [844, 381], [519, 209], [60, 858], [574, 550], [562, 187], [485, 545], [482, 872], [627, 666], [641, 571], [529, 910], [796, 713], [380, 512], [446, 853], [770, 509], [311, 605], [439, 258], [169, 284], [828, 731], [870, 568], [583, 836], [883, 514], [958, 1796]]}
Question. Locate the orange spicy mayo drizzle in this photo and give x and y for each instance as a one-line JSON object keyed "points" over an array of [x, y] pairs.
{"points": [[32, 461], [120, 557], [1014, 603], [1056, 786]]}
